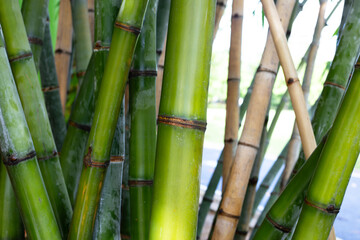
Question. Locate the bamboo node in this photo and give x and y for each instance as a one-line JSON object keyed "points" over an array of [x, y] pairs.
{"points": [[253, 180], [50, 89], [291, 81], [278, 226], [124, 187], [140, 183], [248, 145], [229, 215], [263, 185], [236, 15], [115, 159], [54, 154], [159, 51], [80, 74], [263, 69], [100, 47], [160, 66], [233, 79], [241, 232], [60, 51], [221, 4], [91, 10], [181, 122], [329, 209], [334, 85], [207, 199], [229, 140], [142, 73], [12, 160], [21, 57], [128, 28], [88, 162], [80, 126], [35, 40]]}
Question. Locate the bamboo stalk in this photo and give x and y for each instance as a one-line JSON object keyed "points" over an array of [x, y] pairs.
{"points": [[32, 100], [295, 144], [182, 120], [230, 207], [91, 13], [80, 120], [159, 78], [233, 83], [162, 22], [18, 153], [220, 8], [142, 79], [81, 25], [50, 88], [63, 49], [127, 27], [107, 223], [34, 13], [332, 174]]}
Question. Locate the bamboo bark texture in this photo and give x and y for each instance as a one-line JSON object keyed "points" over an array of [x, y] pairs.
{"points": [[63, 49], [126, 30], [248, 145], [19, 157], [182, 120], [159, 78], [233, 84], [162, 22], [26, 78], [220, 8]]}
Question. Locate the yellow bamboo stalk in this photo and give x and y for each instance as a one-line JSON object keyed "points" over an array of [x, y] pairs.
{"points": [[63, 48], [233, 82], [247, 149], [159, 78], [220, 8]]}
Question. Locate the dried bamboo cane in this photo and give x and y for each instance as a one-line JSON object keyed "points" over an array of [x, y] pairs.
{"points": [[220, 8], [233, 82], [231, 204], [295, 144], [63, 49]]}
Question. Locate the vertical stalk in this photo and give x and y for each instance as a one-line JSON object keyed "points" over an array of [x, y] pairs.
{"points": [[182, 120], [220, 8], [142, 80], [63, 49], [83, 50], [162, 22], [18, 153], [91, 14], [50, 88], [159, 78], [127, 27], [230, 207], [233, 82], [26, 78], [107, 223]]}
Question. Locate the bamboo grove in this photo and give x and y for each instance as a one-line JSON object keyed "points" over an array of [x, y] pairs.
{"points": [[103, 113]]}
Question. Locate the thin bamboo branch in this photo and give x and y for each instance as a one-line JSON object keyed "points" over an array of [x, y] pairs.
{"points": [[220, 8]]}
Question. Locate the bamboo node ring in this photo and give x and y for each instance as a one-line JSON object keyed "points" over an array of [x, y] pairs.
{"points": [[334, 85], [357, 65], [142, 73], [158, 51], [128, 28], [278, 226], [291, 81], [12, 160], [229, 215], [233, 79], [54, 154], [100, 47], [263, 69], [181, 122], [329, 209], [21, 57], [80, 126], [236, 16], [266, 186], [35, 40], [116, 159], [221, 4], [60, 51], [248, 145], [161, 66], [140, 183], [229, 140], [207, 199], [50, 89], [253, 180], [80, 74], [240, 232]]}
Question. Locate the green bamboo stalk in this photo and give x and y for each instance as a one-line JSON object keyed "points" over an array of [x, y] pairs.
{"points": [[142, 108], [34, 13], [9, 212], [83, 109], [107, 223], [50, 88], [18, 153], [162, 21], [127, 27], [182, 120], [26, 78], [125, 203], [328, 185], [347, 6], [81, 25]]}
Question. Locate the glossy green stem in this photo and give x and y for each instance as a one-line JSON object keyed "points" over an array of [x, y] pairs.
{"points": [[143, 126], [179, 148], [107, 223], [19, 157], [50, 88], [162, 21], [333, 172], [81, 26], [26, 78], [83, 108], [107, 110], [34, 13]]}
